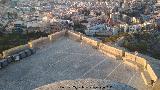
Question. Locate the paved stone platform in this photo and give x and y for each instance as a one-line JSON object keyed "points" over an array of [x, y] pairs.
{"points": [[66, 59]]}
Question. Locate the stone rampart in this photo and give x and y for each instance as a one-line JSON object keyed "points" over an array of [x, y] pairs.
{"points": [[36, 43], [14, 50], [74, 36], [129, 56], [141, 61], [151, 72], [111, 50], [89, 41], [56, 35]]}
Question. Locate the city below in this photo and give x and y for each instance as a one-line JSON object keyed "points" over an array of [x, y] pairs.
{"points": [[79, 44]]}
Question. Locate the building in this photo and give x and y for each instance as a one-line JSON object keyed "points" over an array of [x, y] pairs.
{"points": [[100, 30]]}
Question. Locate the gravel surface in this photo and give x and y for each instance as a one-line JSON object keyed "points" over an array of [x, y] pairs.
{"points": [[66, 59]]}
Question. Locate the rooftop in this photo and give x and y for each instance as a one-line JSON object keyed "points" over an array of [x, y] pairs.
{"points": [[66, 59]]}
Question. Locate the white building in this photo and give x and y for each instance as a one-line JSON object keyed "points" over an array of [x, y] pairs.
{"points": [[100, 29]]}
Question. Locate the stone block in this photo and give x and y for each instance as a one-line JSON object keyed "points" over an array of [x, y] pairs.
{"points": [[9, 59], [28, 52], [22, 54], [4, 63], [16, 57]]}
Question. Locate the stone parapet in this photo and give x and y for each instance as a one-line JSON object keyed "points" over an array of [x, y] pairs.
{"points": [[14, 50], [56, 35], [38, 42], [74, 36]]}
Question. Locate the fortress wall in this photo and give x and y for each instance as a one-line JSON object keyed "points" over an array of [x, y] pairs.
{"points": [[36, 43], [111, 50], [56, 35], [103, 47], [141, 61], [89, 41], [79, 36], [129, 56], [135, 59], [74, 36], [14, 50], [151, 72]]}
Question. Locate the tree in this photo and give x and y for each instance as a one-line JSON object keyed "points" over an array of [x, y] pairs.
{"points": [[79, 27]]}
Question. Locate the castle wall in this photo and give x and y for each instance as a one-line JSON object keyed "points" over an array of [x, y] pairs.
{"points": [[141, 62], [14, 50]]}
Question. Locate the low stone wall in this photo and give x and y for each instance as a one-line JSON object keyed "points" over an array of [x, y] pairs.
{"points": [[111, 50], [74, 36], [16, 57], [129, 56], [36, 43], [151, 72], [56, 35], [89, 41], [78, 36], [14, 50], [141, 61]]}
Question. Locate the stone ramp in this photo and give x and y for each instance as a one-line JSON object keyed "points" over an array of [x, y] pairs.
{"points": [[66, 59]]}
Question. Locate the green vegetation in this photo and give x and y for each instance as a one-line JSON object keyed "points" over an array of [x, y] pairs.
{"points": [[145, 43], [8, 41], [139, 46], [79, 27], [115, 37]]}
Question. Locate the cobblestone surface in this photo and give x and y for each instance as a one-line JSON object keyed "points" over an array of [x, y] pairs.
{"points": [[66, 59]]}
